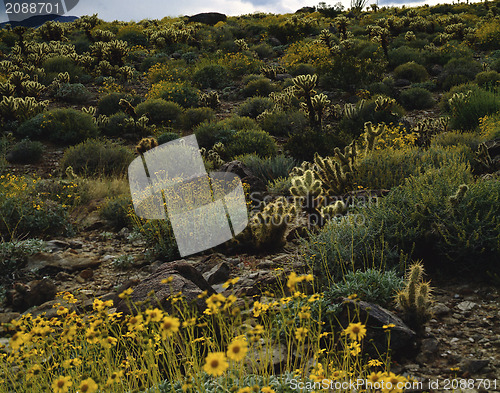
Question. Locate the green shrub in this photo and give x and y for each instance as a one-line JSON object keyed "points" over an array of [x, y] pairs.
{"points": [[159, 111], [117, 125], [284, 123], [372, 285], [212, 76], [404, 54], [167, 137], [181, 93], [194, 116], [14, 255], [116, 211], [264, 51], [133, 35], [451, 138], [495, 65], [270, 168], [239, 123], [302, 69], [303, 145], [65, 126], [209, 133], [254, 106], [416, 98], [251, 141], [54, 65], [488, 79], [96, 157], [412, 71], [25, 152], [73, 93], [465, 114], [159, 236], [388, 168], [110, 104], [259, 87], [458, 71]]}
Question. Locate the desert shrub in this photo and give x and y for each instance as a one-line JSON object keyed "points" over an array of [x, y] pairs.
{"points": [[24, 212], [264, 51], [110, 104], [458, 71], [161, 68], [73, 93], [416, 98], [444, 103], [133, 35], [159, 111], [404, 54], [159, 236], [495, 65], [212, 76], [412, 71], [303, 145], [488, 35], [251, 141], [452, 138], [280, 186], [488, 79], [373, 285], [25, 152], [240, 63], [302, 69], [259, 87], [253, 107], [490, 126], [465, 114], [167, 137], [181, 93], [117, 125], [209, 133], [14, 255], [57, 64], [269, 168], [96, 157], [284, 123], [354, 126], [194, 116], [116, 211], [388, 168], [239, 123], [382, 88], [65, 126]]}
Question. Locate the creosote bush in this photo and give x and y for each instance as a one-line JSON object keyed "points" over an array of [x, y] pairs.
{"points": [[412, 71], [416, 98], [160, 111], [25, 152], [96, 157]]}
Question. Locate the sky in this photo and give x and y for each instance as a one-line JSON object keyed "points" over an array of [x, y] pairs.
{"points": [[127, 10]]}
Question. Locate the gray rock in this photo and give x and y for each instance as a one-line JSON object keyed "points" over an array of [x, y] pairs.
{"points": [[218, 274], [67, 260], [466, 306], [472, 366], [6, 317], [429, 346], [55, 245], [275, 362], [23, 296], [440, 309]]}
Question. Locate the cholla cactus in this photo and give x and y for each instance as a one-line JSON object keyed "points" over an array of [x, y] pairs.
{"points": [[91, 110], [7, 89], [410, 36], [459, 195], [32, 89], [427, 128], [101, 121], [337, 209], [315, 105], [210, 99], [52, 31], [271, 71], [336, 172], [146, 144], [372, 133], [213, 156], [269, 227], [341, 22], [241, 44], [114, 52], [459, 99], [103, 35], [384, 104], [415, 299]]}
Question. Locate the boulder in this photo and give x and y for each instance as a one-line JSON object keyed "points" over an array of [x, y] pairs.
{"points": [[403, 339], [67, 260], [208, 18], [23, 296], [218, 274], [151, 292]]}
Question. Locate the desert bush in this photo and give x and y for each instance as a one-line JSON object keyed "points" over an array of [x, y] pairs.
{"points": [[116, 211], [373, 285], [303, 145], [412, 71], [238, 123], [110, 104], [495, 65], [212, 76], [284, 123], [259, 87], [264, 51], [465, 113], [458, 71], [167, 137], [133, 35], [416, 98], [209, 133], [181, 93], [159, 236], [25, 152], [161, 68], [302, 69], [117, 125], [23, 211], [73, 93], [269, 169], [451, 138], [14, 255], [404, 54], [488, 35], [55, 65], [490, 126], [240, 63], [488, 79], [194, 116], [159, 111], [96, 157], [65, 126], [253, 107], [251, 141]]}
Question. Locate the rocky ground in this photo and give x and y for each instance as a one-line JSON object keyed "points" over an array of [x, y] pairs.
{"points": [[462, 340]]}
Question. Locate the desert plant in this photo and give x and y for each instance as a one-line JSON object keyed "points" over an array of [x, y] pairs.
{"points": [[25, 152], [96, 157], [412, 71], [75, 93], [416, 98], [488, 79], [167, 137], [251, 141], [269, 168], [212, 76], [181, 93], [195, 116], [253, 107], [283, 123], [160, 111], [116, 211]]}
